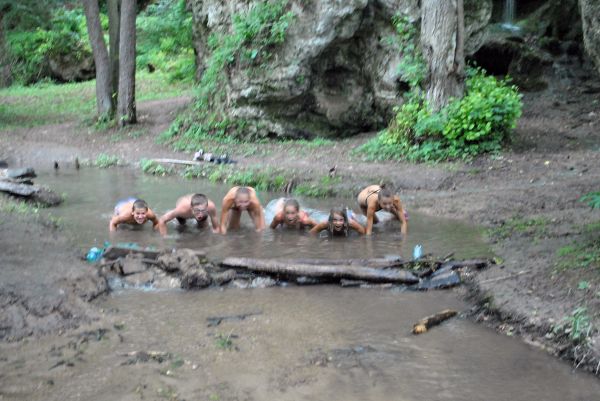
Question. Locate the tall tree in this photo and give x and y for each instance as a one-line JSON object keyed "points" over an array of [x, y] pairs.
{"points": [[103, 75], [4, 63], [113, 45], [126, 98], [442, 42]]}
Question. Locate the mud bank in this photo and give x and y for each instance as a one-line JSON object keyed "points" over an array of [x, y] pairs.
{"points": [[44, 288]]}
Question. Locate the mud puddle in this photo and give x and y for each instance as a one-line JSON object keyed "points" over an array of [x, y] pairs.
{"points": [[296, 344], [92, 193]]}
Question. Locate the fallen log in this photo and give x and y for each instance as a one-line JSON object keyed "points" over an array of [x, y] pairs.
{"points": [[333, 272], [177, 161], [426, 323], [374, 262]]}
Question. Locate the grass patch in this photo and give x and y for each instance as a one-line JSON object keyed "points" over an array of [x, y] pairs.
{"points": [[104, 161], [518, 225], [49, 103], [265, 179], [320, 189], [14, 206], [154, 168], [584, 255]]}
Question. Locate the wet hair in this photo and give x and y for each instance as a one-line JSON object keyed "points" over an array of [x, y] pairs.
{"points": [[384, 193], [199, 199], [140, 204], [242, 191], [342, 212], [291, 202]]}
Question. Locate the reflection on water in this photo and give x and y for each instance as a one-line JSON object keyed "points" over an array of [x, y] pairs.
{"points": [[91, 195]]}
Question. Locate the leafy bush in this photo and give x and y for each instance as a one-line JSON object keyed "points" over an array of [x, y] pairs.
{"points": [[30, 50], [577, 326], [479, 122], [249, 44], [405, 42], [164, 40]]}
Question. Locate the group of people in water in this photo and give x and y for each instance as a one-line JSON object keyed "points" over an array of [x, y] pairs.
{"points": [[287, 213]]}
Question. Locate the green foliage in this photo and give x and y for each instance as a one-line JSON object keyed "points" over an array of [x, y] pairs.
{"points": [[479, 122], [30, 50], [518, 225], [164, 40], [577, 326], [154, 168], [592, 199], [224, 342], [249, 44], [579, 255], [321, 189], [13, 206], [104, 161], [405, 42]]}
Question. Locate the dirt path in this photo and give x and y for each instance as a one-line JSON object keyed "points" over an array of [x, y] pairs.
{"points": [[553, 161]]}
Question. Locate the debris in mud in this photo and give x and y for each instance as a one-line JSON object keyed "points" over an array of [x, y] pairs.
{"points": [[190, 269], [216, 320], [426, 323], [136, 357]]}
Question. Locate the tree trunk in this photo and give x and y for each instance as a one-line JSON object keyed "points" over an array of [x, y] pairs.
{"points": [[332, 272], [126, 98], [113, 46], [442, 41], [5, 79], [103, 85]]}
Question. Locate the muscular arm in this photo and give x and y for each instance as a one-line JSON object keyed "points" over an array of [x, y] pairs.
{"points": [[114, 222], [213, 220], [152, 217], [258, 216], [277, 220], [370, 216], [355, 225], [227, 204], [162, 223], [399, 211], [319, 227]]}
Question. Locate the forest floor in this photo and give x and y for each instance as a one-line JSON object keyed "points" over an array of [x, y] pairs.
{"points": [[527, 197]]}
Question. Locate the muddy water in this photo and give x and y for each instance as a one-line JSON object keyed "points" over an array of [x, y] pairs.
{"points": [[92, 193], [304, 343]]}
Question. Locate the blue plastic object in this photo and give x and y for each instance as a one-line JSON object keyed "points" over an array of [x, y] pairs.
{"points": [[417, 252], [93, 254]]}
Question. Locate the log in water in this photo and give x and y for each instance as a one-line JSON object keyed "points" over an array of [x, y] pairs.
{"points": [[334, 272]]}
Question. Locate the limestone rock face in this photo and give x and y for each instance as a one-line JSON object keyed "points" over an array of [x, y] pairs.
{"points": [[590, 16], [334, 74]]}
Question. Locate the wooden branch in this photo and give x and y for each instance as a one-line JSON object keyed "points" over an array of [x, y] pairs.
{"points": [[424, 324], [374, 262], [333, 272], [177, 161]]}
